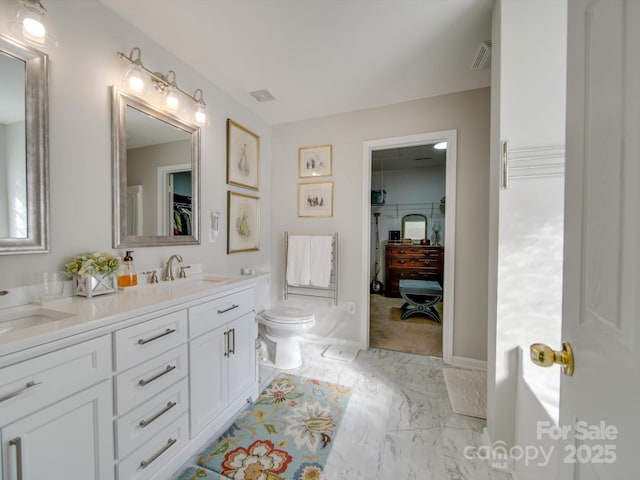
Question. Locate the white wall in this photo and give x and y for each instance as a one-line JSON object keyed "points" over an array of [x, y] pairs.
{"points": [[81, 70], [468, 113], [529, 67], [4, 221]]}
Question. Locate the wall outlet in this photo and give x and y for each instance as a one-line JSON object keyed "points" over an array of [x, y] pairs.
{"points": [[351, 308]]}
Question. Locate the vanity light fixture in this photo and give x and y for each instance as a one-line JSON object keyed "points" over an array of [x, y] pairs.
{"points": [[440, 146], [138, 77], [28, 24]]}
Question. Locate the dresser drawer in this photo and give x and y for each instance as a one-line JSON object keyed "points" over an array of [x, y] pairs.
{"points": [[413, 262], [144, 462], [150, 378], [145, 340], [38, 382], [210, 315], [146, 421], [405, 250]]}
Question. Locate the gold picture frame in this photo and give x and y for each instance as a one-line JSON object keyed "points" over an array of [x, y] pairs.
{"points": [[315, 199], [243, 156], [315, 161], [243, 222]]}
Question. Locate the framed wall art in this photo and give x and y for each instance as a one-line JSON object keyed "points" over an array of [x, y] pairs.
{"points": [[243, 223], [315, 161], [315, 199], [243, 156]]}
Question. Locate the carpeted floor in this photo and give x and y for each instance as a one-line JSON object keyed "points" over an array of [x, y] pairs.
{"points": [[416, 334]]}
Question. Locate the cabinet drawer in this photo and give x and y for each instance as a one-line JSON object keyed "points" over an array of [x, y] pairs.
{"points": [[145, 340], [146, 421], [150, 378], [35, 383], [144, 462], [210, 315]]}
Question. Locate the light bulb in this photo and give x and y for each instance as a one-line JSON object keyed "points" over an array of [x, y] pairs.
{"points": [[171, 99], [34, 28], [440, 146], [201, 114], [134, 78]]}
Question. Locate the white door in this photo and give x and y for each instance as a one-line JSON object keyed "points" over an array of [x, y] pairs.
{"points": [[602, 270]]}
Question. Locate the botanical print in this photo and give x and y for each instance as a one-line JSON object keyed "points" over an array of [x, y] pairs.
{"points": [[243, 232], [243, 156], [285, 435]]}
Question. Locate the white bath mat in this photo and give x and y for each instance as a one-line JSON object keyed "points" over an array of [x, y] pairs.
{"points": [[345, 353], [467, 391]]}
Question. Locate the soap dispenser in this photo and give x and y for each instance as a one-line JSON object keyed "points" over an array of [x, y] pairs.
{"points": [[127, 276]]}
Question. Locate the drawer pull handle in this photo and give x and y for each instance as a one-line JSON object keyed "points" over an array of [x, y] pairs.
{"points": [[143, 423], [28, 386], [144, 382], [168, 331], [228, 309], [233, 344], [17, 442], [154, 457]]}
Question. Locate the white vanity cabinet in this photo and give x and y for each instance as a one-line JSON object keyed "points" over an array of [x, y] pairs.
{"points": [[151, 397], [221, 358], [55, 415]]}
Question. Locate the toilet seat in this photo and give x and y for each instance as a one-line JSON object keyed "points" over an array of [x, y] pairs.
{"points": [[288, 316]]}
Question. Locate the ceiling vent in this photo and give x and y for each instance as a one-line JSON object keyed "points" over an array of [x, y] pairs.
{"points": [[262, 95], [483, 56]]}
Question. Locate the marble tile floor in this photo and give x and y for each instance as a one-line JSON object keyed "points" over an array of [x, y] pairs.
{"points": [[399, 424]]}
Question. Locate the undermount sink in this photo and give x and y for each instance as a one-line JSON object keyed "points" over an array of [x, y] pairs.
{"points": [[29, 316], [182, 284]]}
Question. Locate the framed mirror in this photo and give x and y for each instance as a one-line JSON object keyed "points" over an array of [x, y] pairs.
{"points": [[414, 226], [24, 149], [156, 175]]}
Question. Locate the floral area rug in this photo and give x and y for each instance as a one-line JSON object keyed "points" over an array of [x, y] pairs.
{"points": [[286, 434]]}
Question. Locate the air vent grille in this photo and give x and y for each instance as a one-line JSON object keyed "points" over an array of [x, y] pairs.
{"points": [[482, 56]]}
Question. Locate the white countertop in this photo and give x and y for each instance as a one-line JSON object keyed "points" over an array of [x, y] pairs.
{"points": [[81, 315]]}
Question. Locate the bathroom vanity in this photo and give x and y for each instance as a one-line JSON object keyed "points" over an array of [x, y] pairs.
{"points": [[125, 386]]}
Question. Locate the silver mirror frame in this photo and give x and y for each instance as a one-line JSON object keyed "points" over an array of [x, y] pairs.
{"points": [[120, 100], [37, 148]]}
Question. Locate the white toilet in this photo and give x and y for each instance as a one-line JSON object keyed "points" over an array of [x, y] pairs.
{"points": [[281, 327]]}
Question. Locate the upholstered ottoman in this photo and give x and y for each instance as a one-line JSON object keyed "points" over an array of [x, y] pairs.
{"points": [[420, 297]]}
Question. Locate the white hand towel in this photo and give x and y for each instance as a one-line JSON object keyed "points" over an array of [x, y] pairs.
{"points": [[320, 263], [298, 257]]}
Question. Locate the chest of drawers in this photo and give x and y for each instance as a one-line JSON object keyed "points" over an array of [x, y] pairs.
{"points": [[416, 262]]}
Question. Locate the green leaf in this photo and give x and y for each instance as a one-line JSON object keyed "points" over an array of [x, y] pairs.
{"points": [[221, 449], [270, 428]]}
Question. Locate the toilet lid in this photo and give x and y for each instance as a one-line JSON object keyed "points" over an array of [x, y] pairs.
{"points": [[288, 315]]}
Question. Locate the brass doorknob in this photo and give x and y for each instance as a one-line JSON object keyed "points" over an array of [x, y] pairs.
{"points": [[545, 356]]}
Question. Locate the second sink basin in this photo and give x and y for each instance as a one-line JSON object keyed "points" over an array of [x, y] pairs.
{"points": [[29, 316]]}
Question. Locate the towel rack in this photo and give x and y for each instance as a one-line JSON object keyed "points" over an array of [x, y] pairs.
{"points": [[330, 292]]}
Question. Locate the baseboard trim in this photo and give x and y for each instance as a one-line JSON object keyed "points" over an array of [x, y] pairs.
{"points": [[472, 363]]}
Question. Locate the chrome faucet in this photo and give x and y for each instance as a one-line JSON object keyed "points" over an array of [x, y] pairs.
{"points": [[168, 273]]}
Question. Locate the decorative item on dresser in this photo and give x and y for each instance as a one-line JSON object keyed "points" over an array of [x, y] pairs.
{"points": [[416, 262]]}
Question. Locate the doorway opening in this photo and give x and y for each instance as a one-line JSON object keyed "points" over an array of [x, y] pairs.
{"points": [[383, 162], [408, 204]]}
